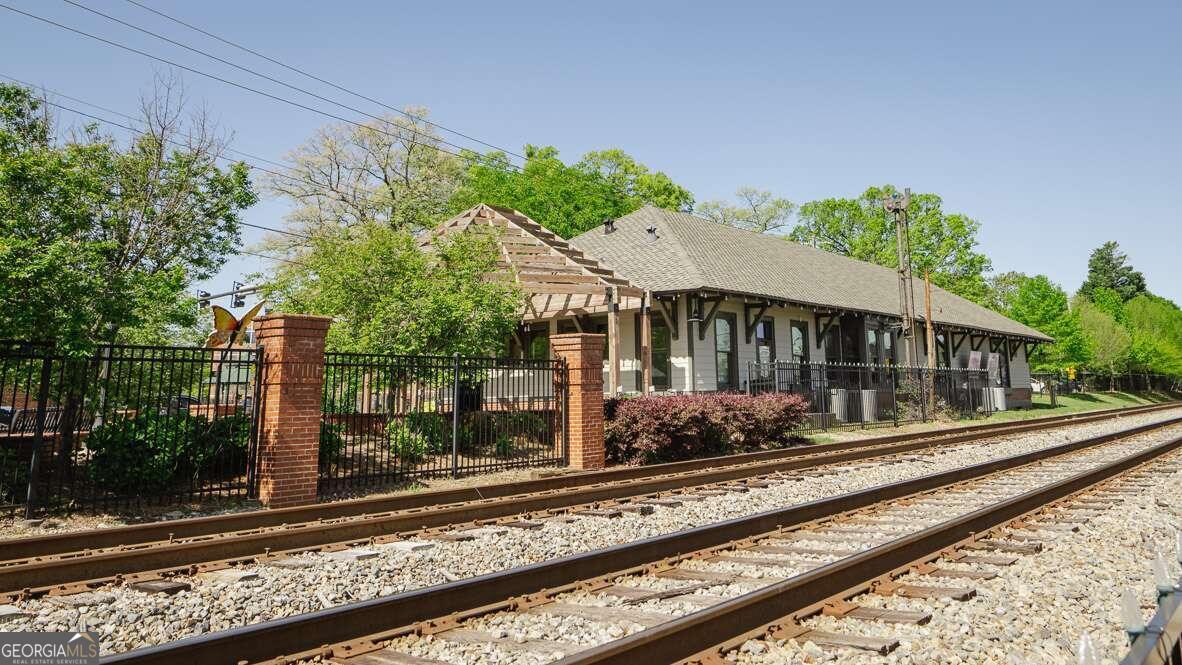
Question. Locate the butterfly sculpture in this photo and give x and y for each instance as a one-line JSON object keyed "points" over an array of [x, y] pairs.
{"points": [[227, 329]]}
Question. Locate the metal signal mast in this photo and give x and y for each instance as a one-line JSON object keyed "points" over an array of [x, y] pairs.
{"points": [[897, 205]]}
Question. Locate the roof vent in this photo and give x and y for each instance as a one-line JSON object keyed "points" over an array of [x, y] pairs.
{"points": [[609, 226], [652, 233]]}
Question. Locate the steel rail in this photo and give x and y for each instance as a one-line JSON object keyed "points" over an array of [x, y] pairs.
{"points": [[370, 622], [245, 521], [86, 569], [699, 634]]}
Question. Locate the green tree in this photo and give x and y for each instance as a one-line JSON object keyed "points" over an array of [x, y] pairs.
{"points": [[1110, 302], [1003, 288], [388, 295], [944, 243], [567, 199], [1108, 267], [1109, 343], [389, 171], [1041, 304], [757, 210], [97, 237], [1156, 325]]}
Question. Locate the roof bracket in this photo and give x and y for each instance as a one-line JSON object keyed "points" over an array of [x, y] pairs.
{"points": [[824, 322], [975, 341], [749, 322], [668, 310], [1015, 344], [709, 318], [956, 343]]}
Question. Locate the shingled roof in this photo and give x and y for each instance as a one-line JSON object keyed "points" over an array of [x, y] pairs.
{"points": [[695, 254]]}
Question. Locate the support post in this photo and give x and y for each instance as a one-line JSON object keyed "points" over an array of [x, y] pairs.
{"points": [[613, 341], [931, 341], [292, 390], [455, 416], [646, 343], [583, 355]]}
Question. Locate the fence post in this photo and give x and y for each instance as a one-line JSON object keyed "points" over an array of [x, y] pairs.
{"points": [[894, 394], [923, 393], [455, 416], [290, 400], [583, 355], [38, 436]]}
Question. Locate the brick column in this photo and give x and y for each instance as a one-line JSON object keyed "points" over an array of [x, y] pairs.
{"points": [[583, 354], [289, 425]]}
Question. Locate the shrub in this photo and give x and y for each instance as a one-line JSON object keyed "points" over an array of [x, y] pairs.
{"points": [[332, 443], [154, 452], [409, 446], [419, 434], [648, 430]]}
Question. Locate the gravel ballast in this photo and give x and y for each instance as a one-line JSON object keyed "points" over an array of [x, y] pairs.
{"points": [[127, 619]]}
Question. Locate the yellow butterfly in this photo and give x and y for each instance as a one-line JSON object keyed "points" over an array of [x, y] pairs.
{"points": [[226, 328]]}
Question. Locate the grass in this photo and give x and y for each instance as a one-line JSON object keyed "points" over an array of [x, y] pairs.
{"points": [[1079, 403]]}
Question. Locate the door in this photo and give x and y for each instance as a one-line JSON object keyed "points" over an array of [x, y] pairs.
{"points": [[726, 352]]}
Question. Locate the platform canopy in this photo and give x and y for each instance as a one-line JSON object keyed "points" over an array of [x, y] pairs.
{"points": [[558, 280]]}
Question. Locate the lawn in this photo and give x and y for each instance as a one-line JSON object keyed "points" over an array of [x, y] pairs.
{"points": [[1080, 402]]}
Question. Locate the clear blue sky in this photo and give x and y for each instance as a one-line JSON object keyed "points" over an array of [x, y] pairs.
{"points": [[1058, 125]]}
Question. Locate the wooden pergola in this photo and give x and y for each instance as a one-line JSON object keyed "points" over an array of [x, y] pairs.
{"points": [[560, 281]]}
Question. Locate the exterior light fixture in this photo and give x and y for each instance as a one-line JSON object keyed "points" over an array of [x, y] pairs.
{"points": [[652, 233], [1130, 614]]}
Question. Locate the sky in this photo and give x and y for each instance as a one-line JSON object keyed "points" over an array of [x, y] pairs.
{"points": [[1056, 125]]}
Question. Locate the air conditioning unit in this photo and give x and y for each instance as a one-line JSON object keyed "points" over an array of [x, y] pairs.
{"points": [[993, 399], [869, 406], [838, 405]]}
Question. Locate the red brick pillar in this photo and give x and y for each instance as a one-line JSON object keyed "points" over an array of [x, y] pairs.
{"points": [[583, 354], [289, 425]]}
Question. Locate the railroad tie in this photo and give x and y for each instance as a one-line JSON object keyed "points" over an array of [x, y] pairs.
{"points": [[541, 647], [386, 657], [920, 591], [714, 576], [1032, 547], [637, 595], [880, 645], [601, 614], [662, 503]]}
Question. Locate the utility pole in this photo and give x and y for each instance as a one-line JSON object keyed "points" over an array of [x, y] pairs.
{"points": [[898, 206], [931, 338]]}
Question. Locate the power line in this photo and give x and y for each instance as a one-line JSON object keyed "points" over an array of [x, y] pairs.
{"points": [[247, 88], [239, 67], [273, 258], [319, 79]]}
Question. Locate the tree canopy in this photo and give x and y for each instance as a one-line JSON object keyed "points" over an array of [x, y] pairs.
{"points": [[568, 199], [756, 210], [1108, 268], [101, 239], [1041, 304], [942, 242], [386, 295]]}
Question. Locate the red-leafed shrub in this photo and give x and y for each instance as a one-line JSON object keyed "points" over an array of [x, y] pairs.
{"points": [[648, 430]]}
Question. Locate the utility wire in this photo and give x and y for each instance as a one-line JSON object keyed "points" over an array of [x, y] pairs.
{"points": [[321, 80], [247, 88], [240, 67]]}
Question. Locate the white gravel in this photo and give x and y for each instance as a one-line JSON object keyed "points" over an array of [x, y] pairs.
{"points": [[127, 619]]}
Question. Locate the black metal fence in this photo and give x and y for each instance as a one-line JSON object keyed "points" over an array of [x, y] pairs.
{"points": [[1088, 382], [861, 396], [390, 418], [125, 426]]}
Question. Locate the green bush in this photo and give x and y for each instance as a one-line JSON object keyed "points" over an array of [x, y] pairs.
{"points": [[332, 443], [420, 434], [409, 446], [14, 476], [155, 452]]}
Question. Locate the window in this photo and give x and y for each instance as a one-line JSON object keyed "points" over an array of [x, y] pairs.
{"points": [[725, 352], [800, 341], [538, 347], [765, 341], [942, 351], [873, 352], [662, 347], [833, 344]]}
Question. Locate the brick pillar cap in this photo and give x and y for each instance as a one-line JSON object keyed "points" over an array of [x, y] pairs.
{"points": [[280, 319], [577, 338]]}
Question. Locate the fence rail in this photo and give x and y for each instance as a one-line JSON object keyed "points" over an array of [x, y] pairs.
{"points": [[390, 418], [126, 425], [860, 396]]}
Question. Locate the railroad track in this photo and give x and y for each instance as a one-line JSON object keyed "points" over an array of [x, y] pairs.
{"points": [[697, 593], [146, 554]]}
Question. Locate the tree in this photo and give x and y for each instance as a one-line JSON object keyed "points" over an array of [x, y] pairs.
{"points": [[1156, 326], [98, 237], [389, 171], [757, 210], [1041, 304], [1002, 290], [1108, 342], [1108, 268], [567, 199], [386, 295], [944, 243]]}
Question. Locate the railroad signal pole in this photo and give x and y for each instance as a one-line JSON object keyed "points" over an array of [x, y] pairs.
{"points": [[898, 205], [931, 339]]}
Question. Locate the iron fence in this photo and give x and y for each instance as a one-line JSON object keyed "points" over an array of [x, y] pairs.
{"points": [[391, 418], [1088, 382], [860, 396], [125, 426]]}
